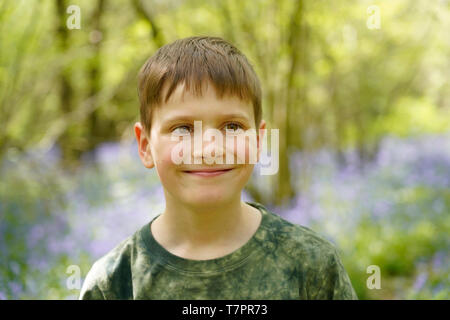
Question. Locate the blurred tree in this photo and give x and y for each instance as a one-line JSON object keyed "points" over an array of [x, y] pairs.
{"points": [[66, 93], [15, 48], [156, 35], [97, 127]]}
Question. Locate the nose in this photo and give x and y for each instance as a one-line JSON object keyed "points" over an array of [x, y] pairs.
{"points": [[208, 147]]}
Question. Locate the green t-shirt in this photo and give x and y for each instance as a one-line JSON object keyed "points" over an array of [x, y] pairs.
{"points": [[282, 260]]}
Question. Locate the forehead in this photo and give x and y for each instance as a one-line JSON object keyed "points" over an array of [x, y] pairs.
{"points": [[184, 103]]}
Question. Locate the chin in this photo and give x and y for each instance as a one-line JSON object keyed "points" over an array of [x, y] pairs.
{"points": [[208, 197]]}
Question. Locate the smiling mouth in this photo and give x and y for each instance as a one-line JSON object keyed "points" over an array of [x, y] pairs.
{"points": [[208, 173]]}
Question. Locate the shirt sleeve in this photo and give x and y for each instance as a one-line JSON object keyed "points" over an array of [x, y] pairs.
{"points": [[92, 293], [333, 281], [90, 289]]}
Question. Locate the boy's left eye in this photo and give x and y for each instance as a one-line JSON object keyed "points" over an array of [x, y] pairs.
{"points": [[233, 126]]}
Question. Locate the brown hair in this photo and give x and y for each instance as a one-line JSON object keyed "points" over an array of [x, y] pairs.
{"points": [[193, 60]]}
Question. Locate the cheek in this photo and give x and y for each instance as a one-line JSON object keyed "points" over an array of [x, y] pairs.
{"points": [[246, 149], [244, 152], [163, 160]]}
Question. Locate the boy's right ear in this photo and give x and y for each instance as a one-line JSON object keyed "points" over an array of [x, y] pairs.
{"points": [[143, 146]]}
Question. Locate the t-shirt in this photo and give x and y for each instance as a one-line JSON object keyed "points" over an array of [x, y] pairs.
{"points": [[281, 260]]}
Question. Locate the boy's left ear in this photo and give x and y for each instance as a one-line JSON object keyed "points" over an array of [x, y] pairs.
{"points": [[260, 136]]}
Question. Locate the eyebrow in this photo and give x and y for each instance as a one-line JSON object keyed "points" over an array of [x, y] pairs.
{"points": [[222, 116]]}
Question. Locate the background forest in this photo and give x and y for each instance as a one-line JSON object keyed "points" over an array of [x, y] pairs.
{"points": [[358, 89]]}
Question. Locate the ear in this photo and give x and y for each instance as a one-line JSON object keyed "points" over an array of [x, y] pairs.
{"points": [[143, 146], [260, 136]]}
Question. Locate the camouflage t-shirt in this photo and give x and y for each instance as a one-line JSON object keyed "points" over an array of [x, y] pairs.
{"points": [[282, 260]]}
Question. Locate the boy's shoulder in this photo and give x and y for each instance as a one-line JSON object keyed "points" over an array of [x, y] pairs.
{"points": [[295, 238], [111, 269], [316, 258]]}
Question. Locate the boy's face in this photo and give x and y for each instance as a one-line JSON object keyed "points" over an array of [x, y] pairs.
{"points": [[191, 184]]}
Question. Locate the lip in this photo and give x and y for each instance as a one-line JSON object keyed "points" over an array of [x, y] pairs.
{"points": [[208, 172]]}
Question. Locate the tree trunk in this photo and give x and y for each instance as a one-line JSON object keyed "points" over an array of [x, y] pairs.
{"points": [[66, 92]]}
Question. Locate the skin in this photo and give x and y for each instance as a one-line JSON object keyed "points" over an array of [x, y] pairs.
{"points": [[204, 217]]}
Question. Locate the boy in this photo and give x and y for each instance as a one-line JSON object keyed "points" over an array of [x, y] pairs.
{"points": [[208, 244]]}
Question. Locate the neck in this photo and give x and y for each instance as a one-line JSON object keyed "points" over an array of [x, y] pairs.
{"points": [[203, 225]]}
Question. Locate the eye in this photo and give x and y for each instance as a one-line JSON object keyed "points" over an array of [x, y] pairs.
{"points": [[184, 129], [233, 126]]}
